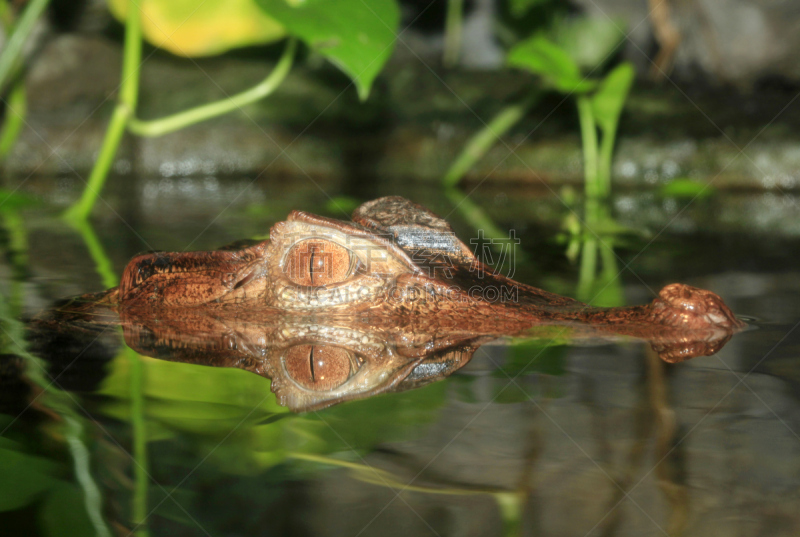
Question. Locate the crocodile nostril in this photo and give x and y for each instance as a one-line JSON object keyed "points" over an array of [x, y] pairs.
{"points": [[246, 279]]}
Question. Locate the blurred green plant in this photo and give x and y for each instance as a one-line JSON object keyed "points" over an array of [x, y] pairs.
{"points": [[560, 55], [66, 497], [683, 187], [510, 503], [477, 146], [17, 32], [453, 27], [358, 37], [600, 104], [141, 481], [15, 112], [499, 239], [558, 52], [208, 402]]}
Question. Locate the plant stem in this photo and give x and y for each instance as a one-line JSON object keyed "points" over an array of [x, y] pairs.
{"points": [[102, 263], [92, 498], [477, 146], [499, 239], [126, 104], [589, 139], [139, 433], [16, 105], [159, 127], [594, 190], [116, 127], [452, 32], [609, 275], [16, 109], [511, 508], [604, 164], [14, 45], [588, 269], [18, 254]]}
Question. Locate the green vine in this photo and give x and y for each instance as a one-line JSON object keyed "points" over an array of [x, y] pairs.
{"points": [[9, 59], [128, 96], [124, 115], [159, 127]]}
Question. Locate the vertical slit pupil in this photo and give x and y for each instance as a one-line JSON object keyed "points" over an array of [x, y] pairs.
{"points": [[311, 360], [311, 251], [318, 262]]}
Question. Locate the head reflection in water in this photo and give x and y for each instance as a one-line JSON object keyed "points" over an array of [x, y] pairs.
{"points": [[311, 365], [318, 363], [320, 368], [315, 365]]}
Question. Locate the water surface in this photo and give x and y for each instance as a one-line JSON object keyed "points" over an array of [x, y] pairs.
{"points": [[546, 437]]}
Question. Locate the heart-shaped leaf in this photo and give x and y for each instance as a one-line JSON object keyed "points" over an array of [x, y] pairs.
{"points": [[192, 28], [589, 41], [543, 57], [358, 36]]}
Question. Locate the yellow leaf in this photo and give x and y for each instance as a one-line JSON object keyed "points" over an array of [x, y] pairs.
{"points": [[202, 28]]}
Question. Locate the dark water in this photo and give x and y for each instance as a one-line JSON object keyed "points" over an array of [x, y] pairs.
{"points": [[551, 437]]}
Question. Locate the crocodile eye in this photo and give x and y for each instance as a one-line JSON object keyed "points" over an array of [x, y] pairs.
{"points": [[320, 367], [317, 262]]}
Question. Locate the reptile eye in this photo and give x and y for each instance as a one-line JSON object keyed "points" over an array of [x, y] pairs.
{"points": [[317, 262], [320, 367]]}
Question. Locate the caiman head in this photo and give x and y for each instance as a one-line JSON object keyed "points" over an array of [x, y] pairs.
{"points": [[395, 258]]}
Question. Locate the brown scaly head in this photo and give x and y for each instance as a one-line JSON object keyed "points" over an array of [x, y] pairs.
{"points": [[395, 257]]}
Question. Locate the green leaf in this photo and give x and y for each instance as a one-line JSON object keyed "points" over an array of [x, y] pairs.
{"points": [[25, 477], [64, 512], [684, 187], [543, 57], [608, 101], [186, 397], [589, 41], [358, 36], [384, 418], [192, 28]]}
